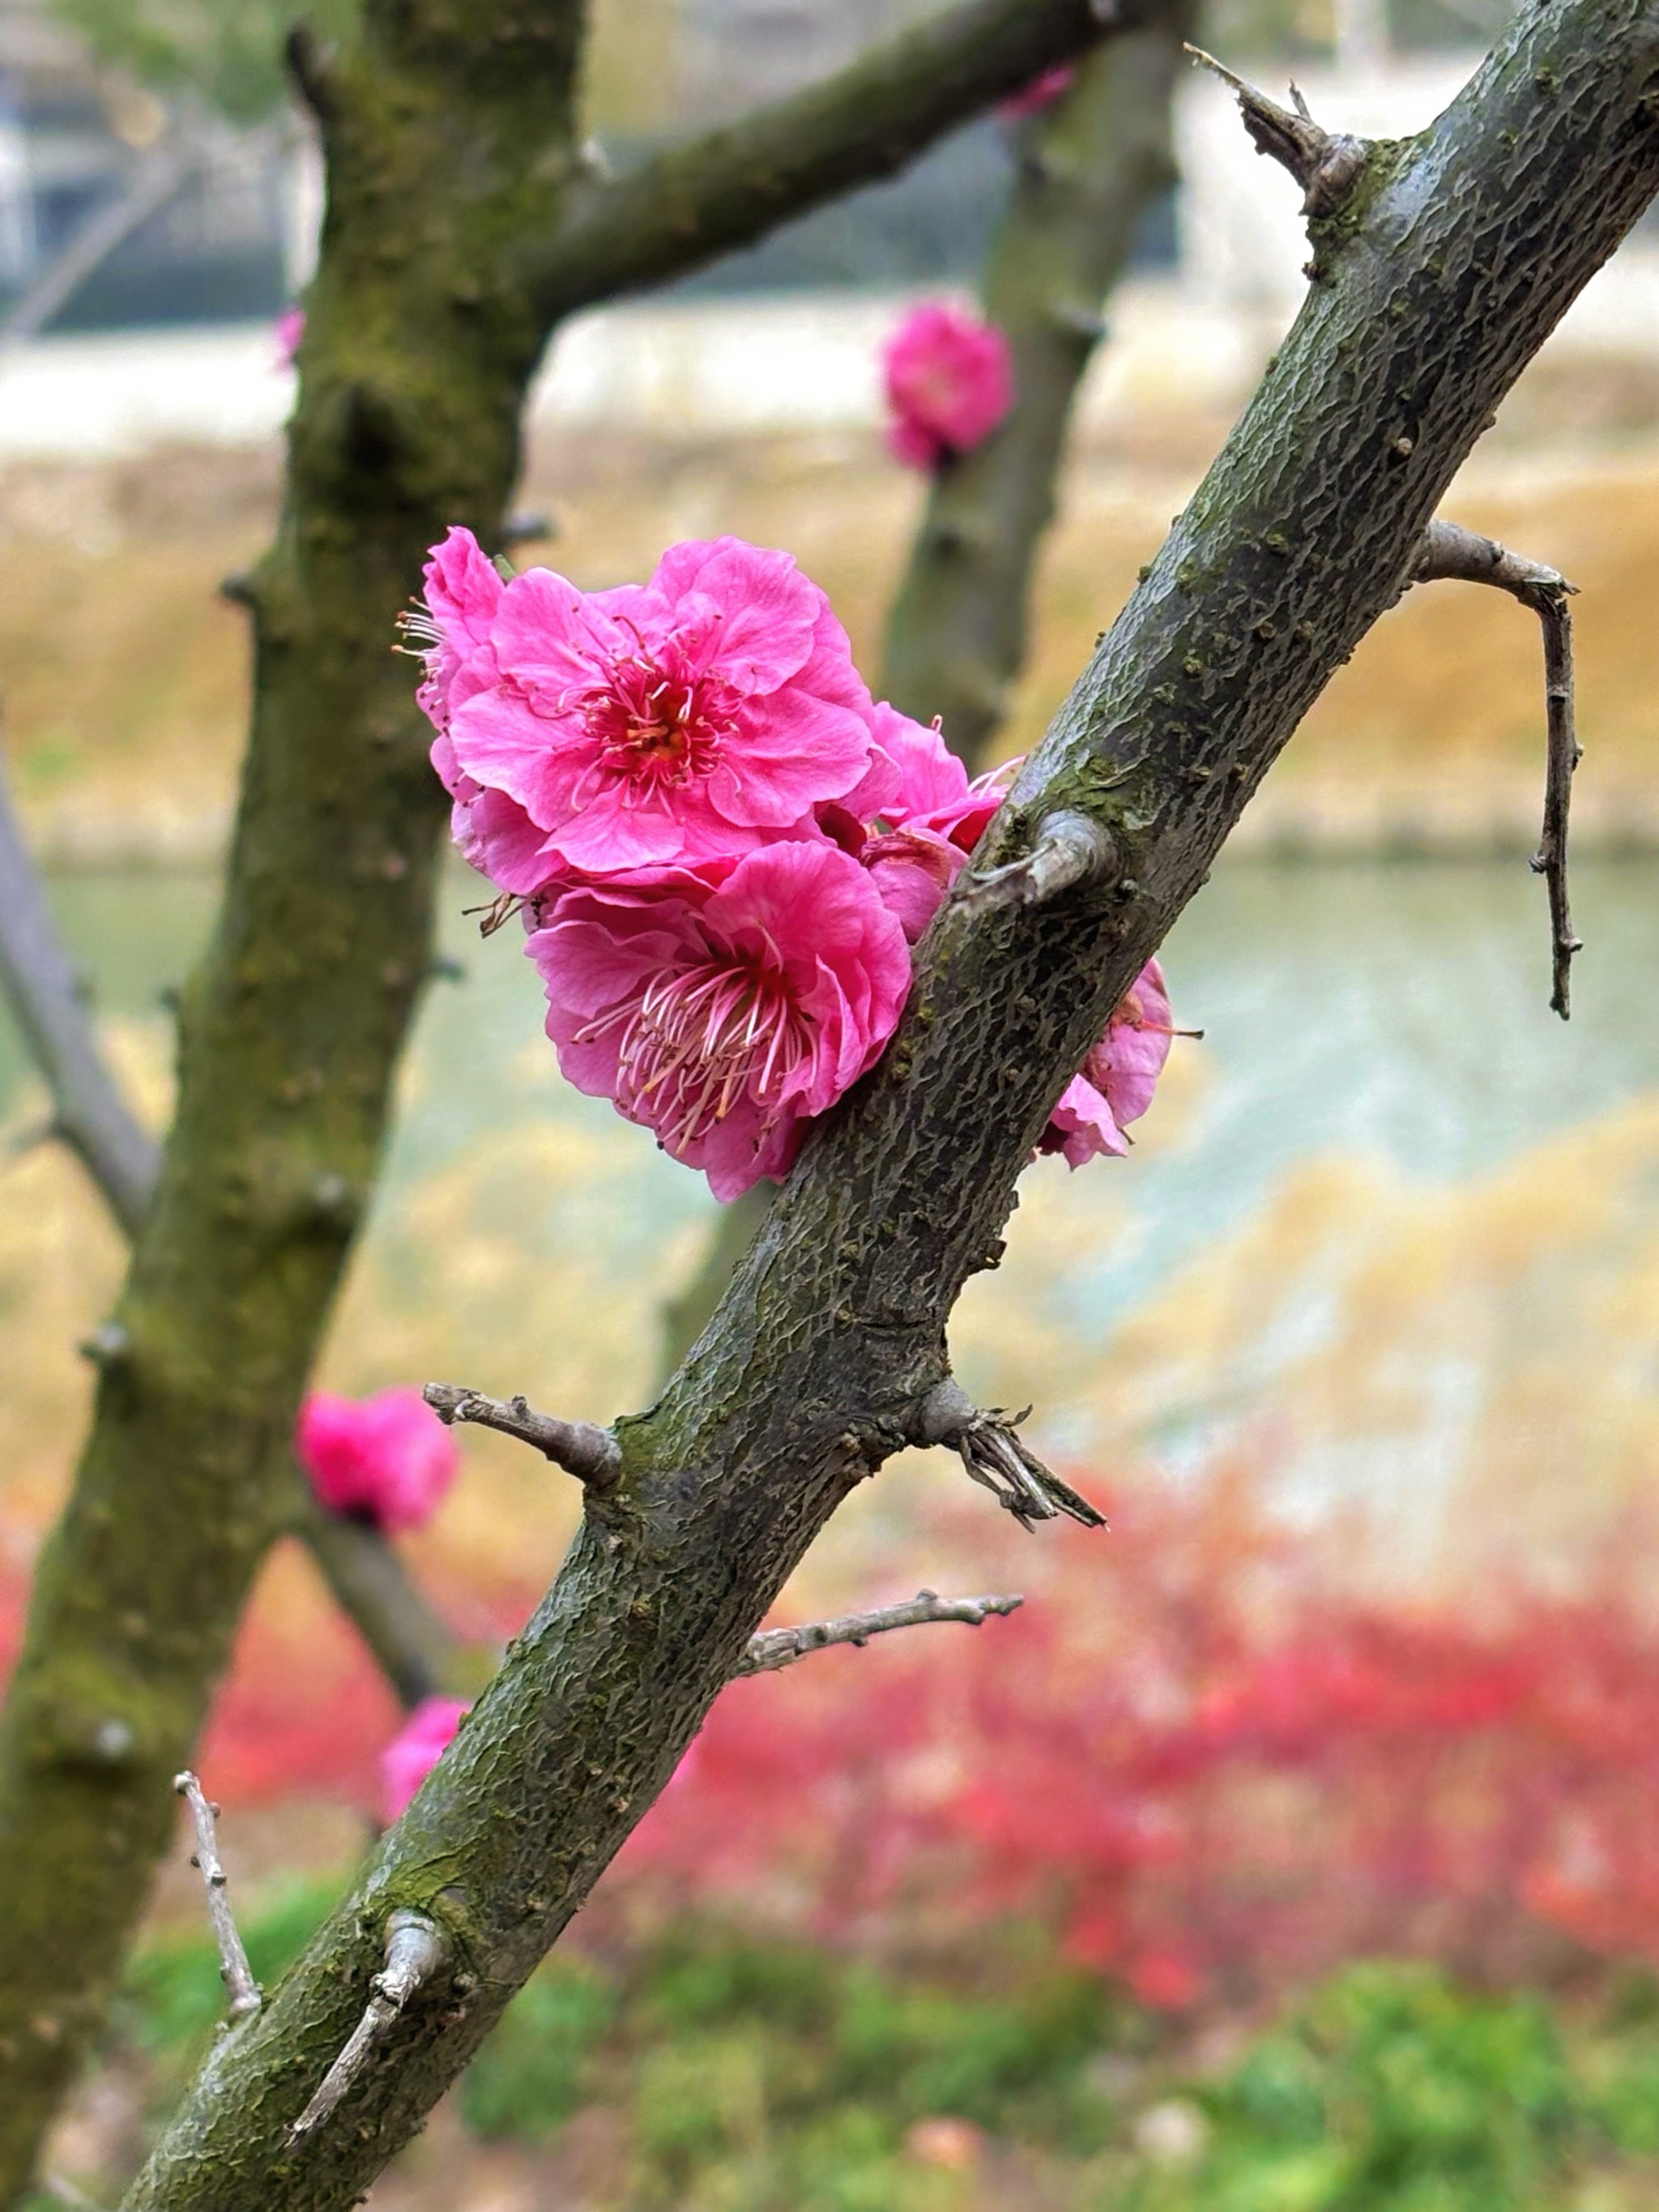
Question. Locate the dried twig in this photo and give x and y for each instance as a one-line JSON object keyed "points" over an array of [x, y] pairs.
{"points": [[781, 1647], [591, 1455], [997, 1457], [234, 1969], [1327, 164], [1069, 850], [1449, 552], [416, 1951]]}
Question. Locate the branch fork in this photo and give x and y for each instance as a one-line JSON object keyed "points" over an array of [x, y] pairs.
{"points": [[1449, 552], [591, 1453], [997, 1457]]}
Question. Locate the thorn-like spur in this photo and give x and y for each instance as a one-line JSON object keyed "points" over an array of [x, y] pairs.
{"points": [[1327, 164], [995, 1454]]}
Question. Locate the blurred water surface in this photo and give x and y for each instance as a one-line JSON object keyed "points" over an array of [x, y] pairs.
{"points": [[1391, 1221]]}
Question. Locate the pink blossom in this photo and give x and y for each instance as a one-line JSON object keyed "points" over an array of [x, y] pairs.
{"points": [[691, 718], [387, 1459], [289, 331], [1119, 1077], [415, 1750], [724, 1008], [1041, 91], [921, 846], [949, 381]]}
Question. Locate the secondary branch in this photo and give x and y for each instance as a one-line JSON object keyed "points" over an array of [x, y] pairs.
{"points": [[781, 1647], [726, 190], [1449, 552]]}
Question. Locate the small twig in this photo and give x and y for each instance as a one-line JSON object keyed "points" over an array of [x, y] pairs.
{"points": [[1069, 850], [1327, 164], [997, 1457], [781, 1647], [591, 1455], [234, 1969], [1449, 552], [416, 1951]]}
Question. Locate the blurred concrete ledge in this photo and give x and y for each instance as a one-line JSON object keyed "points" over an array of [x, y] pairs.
{"points": [[726, 367]]}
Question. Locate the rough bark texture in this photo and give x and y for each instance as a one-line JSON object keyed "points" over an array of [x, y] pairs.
{"points": [[441, 143], [1438, 283], [462, 219], [1088, 168]]}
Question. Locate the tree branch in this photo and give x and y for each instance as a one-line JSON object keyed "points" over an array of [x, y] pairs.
{"points": [[43, 992], [1087, 170], [234, 1969], [781, 1647], [157, 179], [1450, 551], [591, 1455], [406, 1636], [705, 199], [832, 1335]]}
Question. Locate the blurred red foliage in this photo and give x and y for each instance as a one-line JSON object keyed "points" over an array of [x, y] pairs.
{"points": [[1211, 1774]]}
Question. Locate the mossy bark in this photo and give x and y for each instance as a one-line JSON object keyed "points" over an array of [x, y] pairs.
{"points": [[417, 348], [1461, 252], [1088, 168], [462, 219]]}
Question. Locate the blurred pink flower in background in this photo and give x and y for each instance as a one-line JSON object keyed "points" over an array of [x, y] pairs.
{"points": [[686, 719], [1041, 91], [290, 329], [387, 1459], [723, 1009], [1119, 1077], [415, 1750], [950, 380]]}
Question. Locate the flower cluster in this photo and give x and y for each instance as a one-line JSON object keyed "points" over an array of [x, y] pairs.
{"points": [[950, 380], [724, 849], [386, 1459]]}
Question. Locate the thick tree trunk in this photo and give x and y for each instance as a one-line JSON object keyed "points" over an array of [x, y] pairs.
{"points": [[1439, 277], [1090, 167], [462, 220]]}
